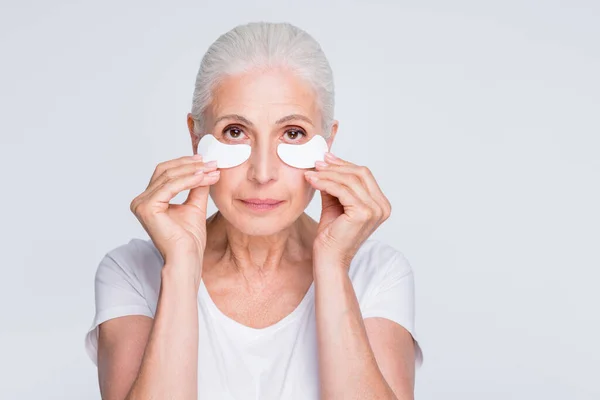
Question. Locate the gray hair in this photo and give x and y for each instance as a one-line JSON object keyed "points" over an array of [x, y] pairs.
{"points": [[264, 45]]}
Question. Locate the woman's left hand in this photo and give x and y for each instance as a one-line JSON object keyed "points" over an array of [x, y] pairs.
{"points": [[353, 208]]}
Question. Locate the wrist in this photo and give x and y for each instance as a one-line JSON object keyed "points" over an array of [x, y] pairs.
{"points": [[181, 278], [331, 259], [330, 265], [330, 275]]}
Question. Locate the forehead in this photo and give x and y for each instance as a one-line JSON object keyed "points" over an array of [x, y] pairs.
{"points": [[268, 94]]}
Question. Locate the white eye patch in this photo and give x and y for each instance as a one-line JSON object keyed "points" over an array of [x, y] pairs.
{"points": [[226, 155], [231, 155], [303, 155]]}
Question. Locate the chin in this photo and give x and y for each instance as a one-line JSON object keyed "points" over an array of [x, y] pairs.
{"points": [[262, 228], [261, 225]]}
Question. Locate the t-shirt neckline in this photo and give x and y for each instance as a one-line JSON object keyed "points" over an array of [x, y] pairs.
{"points": [[256, 332]]}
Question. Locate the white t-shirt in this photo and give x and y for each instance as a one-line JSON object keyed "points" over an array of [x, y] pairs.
{"points": [[239, 362]]}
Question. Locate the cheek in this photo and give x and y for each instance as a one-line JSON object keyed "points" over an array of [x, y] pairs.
{"points": [[295, 180], [230, 179]]}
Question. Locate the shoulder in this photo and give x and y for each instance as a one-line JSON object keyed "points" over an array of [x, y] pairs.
{"points": [[134, 253], [384, 283], [375, 265], [136, 264], [127, 282], [376, 259]]}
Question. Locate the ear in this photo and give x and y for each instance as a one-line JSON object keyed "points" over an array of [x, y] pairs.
{"points": [[334, 128], [193, 136]]}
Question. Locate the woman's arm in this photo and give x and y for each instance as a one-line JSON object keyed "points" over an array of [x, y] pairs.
{"points": [[353, 206], [141, 358], [168, 368], [121, 344], [348, 368]]}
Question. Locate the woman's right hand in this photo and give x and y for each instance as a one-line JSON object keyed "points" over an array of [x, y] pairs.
{"points": [[178, 230]]}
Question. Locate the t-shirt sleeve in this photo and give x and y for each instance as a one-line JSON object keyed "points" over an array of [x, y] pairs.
{"points": [[394, 298], [118, 292]]}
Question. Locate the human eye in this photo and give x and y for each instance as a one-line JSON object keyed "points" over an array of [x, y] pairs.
{"points": [[233, 134], [294, 135]]}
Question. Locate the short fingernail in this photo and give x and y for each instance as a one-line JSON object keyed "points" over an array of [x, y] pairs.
{"points": [[321, 164], [213, 173], [211, 163]]}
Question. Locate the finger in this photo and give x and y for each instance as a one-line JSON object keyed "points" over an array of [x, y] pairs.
{"points": [[328, 201], [165, 165], [198, 196], [365, 175], [355, 184], [165, 193], [181, 170], [345, 196], [363, 172], [170, 174], [333, 159]]}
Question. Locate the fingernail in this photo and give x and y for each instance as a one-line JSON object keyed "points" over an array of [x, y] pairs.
{"points": [[331, 156], [214, 173], [312, 175], [197, 157], [211, 163], [321, 164]]}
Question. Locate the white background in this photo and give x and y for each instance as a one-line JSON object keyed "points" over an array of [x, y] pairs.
{"points": [[480, 120]]}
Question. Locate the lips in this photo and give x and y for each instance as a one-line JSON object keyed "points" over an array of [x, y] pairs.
{"points": [[267, 202]]}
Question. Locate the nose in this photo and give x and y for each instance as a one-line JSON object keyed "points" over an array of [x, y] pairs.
{"points": [[263, 162]]}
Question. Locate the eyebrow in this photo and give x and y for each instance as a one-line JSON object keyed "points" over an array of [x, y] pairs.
{"points": [[244, 120]]}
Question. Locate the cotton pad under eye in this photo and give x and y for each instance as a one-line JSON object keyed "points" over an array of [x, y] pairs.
{"points": [[303, 155], [226, 155]]}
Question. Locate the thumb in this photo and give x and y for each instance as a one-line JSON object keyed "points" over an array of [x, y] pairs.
{"points": [[328, 200], [198, 197], [331, 208]]}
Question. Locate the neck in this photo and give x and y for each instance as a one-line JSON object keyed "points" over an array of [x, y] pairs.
{"points": [[250, 254]]}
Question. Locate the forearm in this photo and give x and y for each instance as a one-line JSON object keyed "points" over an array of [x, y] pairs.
{"points": [[347, 365], [169, 368]]}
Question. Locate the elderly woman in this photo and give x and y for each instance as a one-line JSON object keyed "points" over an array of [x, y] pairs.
{"points": [[258, 300]]}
